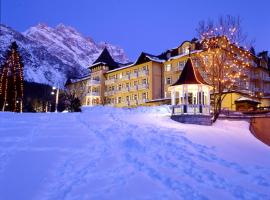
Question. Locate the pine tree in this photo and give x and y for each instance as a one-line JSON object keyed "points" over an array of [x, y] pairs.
{"points": [[11, 80]]}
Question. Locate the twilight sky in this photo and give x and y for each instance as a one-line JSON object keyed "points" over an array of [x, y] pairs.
{"points": [[142, 25]]}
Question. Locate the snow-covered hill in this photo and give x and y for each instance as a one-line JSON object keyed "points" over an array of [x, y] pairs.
{"points": [[110, 153], [51, 55]]}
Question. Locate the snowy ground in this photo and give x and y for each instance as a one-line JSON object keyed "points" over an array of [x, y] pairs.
{"points": [[108, 153]]}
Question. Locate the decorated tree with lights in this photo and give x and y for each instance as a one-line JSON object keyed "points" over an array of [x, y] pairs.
{"points": [[11, 80], [224, 64]]}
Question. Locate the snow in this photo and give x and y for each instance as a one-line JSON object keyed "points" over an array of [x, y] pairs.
{"points": [[246, 99], [110, 153]]}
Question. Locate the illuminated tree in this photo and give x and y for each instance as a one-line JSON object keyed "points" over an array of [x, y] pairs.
{"points": [[225, 65], [11, 81]]}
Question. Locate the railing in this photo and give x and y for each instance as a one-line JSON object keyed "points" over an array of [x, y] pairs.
{"points": [[133, 88], [176, 69], [125, 89], [143, 86], [124, 78], [141, 101], [191, 109], [93, 94], [93, 82], [257, 89], [133, 102], [133, 75], [109, 93], [254, 76], [267, 79], [110, 81], [143, 73]]}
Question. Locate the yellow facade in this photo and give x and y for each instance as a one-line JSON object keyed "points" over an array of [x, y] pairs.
{"points": [[146, 81]]}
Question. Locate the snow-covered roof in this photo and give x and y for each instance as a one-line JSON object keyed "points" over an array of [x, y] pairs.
{"points": [[247, 99], [184, 54], [80, 79]]}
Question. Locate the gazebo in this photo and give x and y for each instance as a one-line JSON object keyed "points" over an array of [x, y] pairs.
{"points": [[193, 105]]}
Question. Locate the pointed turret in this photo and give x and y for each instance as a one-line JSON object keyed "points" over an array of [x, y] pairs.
{"points": [[105, 58]]}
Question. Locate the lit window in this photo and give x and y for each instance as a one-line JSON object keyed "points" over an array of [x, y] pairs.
{"points": [[168, 80], [144, 81], [168, 67], [181, 64]]}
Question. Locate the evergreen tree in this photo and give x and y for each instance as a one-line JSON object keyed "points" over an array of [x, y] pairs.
{"points": [[11, 81]]}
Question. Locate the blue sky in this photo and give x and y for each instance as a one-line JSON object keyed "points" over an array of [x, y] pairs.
{"points": [[142, 25]]}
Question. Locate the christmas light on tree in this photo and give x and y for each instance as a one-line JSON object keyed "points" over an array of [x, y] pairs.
{"points": [[11, 81]]}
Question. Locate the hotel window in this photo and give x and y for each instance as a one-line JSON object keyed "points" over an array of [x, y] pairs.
{"points": [[168, 67], [196, 62], [135, 71], [181, 64], [144, 81], [206, 60], [168, 80], [145, 95], [127, 85], [186, 50], [112, 88], [135, 83], [135, 97], [145, 67], [120, 75], [119, 99], [127, 98], [119, 87]]}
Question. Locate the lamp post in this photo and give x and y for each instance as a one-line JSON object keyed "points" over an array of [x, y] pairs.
{"points": [[56, 93]]}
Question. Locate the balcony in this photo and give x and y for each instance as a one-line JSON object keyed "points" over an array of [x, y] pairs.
{"points": [[176, 69], [141, 101], [254, 76], [109, 81], [133, 88], [143, 87], [267, 79], [125, 78], [109, 93], [93, 82], [125, 89], [133, 102], [95, 94], [133, 75], [257, 89], [143, 73]]}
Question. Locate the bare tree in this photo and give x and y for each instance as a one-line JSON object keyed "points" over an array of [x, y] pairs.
{"points": [[229, 26], [225, 63]]}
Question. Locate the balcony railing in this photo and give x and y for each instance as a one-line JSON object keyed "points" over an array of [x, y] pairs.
{"points": [[110, 81], [125, 89], [267, 79], [143, 73], [93, 94], [143, 86], [257, 89], [109, 93], [141, 101], [125, 78], [93, 82], [133, 88], [133, 75]]}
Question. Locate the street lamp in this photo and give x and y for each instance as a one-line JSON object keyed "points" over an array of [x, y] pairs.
{"points": [[55, 90]]}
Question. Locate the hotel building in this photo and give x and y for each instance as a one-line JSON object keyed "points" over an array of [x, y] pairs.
{"points": [[146, 82]]}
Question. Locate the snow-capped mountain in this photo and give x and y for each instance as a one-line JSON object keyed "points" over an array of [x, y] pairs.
{"points": [[51, 55]]}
